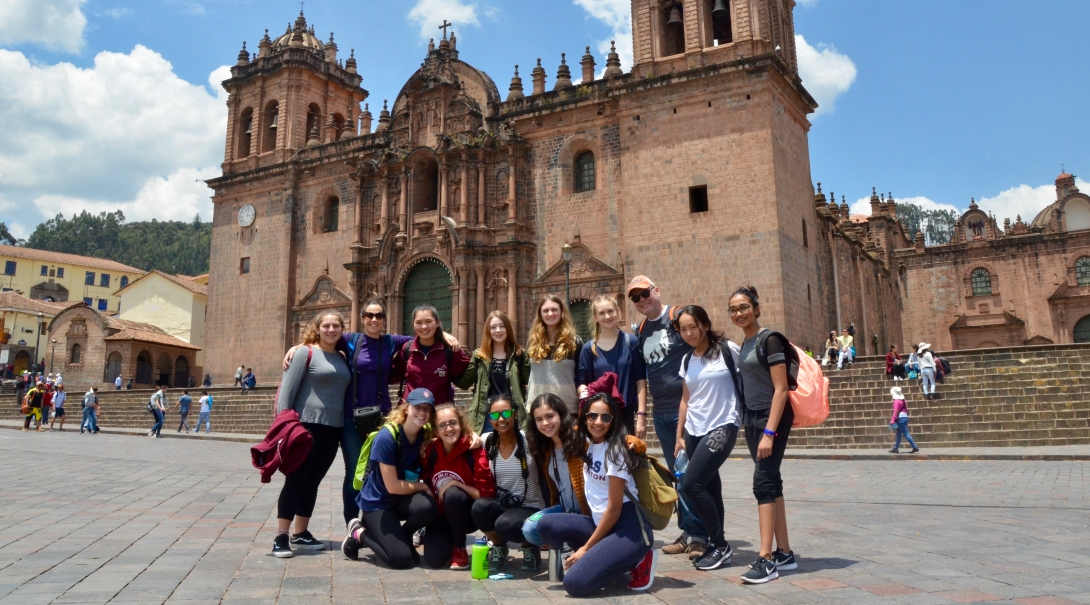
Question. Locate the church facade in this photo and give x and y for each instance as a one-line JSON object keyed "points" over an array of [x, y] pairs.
{"points": [[692, 168]]}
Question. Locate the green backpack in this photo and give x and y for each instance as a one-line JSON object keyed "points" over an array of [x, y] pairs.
{"points": [[362, 465], [657, 495]]}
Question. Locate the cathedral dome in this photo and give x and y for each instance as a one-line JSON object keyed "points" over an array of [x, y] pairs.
{"points": [[305, 37]]}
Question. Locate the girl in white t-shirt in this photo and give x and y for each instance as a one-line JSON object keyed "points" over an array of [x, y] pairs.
{"points": [[610, 541]]}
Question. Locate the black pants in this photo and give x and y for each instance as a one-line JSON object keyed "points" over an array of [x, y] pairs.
{"points": [[450, 528], [300, 490], [767, 482], [701, 484], [490, 516], [628, 416], [388, 538]]}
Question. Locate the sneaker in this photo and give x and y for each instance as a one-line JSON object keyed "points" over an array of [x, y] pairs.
{"points": [[418, 538], [915, 450], [459, 559], [305, 541], [696, 549], [762, 570], [531, 558], [643, 575], [677, 547], [894, 451], [497, 558], [350, 548], [785, 561], [282, 547], [714, 558]]}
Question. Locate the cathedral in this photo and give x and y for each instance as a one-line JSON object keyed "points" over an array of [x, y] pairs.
{"points": [[691, 168]]}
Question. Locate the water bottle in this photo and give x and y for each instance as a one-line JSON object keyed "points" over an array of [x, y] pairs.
{"points": [[479, 560], [680, 464]]}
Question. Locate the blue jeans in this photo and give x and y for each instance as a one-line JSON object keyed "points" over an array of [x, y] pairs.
{"points": [[89, 420], [902, 429], [158, 426], [351, 444], [204, 418], [666, 431], [928, 378], [619, 551], [529, 527]]}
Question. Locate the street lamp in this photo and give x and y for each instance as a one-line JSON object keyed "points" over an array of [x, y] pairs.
{"points": [[52, 354], [38, 339], [565, 253]]}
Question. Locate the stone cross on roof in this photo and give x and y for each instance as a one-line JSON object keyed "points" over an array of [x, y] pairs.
{"points": [[444, 27]]}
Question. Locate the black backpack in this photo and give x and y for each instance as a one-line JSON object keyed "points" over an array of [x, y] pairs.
{"points": [[405, 358], [724, 350]]}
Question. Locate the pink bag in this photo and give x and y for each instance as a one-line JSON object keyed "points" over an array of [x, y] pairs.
{"points": [[810, 400]]}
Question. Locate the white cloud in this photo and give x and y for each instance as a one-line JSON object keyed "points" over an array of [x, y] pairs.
{"points": [[826, 73], [53, 24], [430, 14], [1023, 200], [862, 205], [125, 133], [116, 13], [617, 14]]}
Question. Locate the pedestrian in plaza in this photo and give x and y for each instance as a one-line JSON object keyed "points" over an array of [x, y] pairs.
{"points": [[207, 381], [899, 421], [315, 386], [182, 405], [205, 415], [613, 350], [394, 503], [895, 368], [518, 491], [612, 538], [847, 349], [33, 399], [58, 380], [553, 347], [767, 421], [47, 404], [832, 350], [58, 405], [238, 376], [157, 407], [20, 387], [708, 421], [117, 383], [90, 411], [428, 361], [499, 366], [249, 381], [927, 369], [458, 475], [663, 349], [128, 384]]}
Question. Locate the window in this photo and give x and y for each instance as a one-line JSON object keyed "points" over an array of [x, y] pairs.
{"points": [[103, 304], [245, 132], [332, 214], [45, 269], [698, 199], [124, 280], [671, 30], [584, 172], [89, 302], [9, 267], [719, 10], [89, 279], [805, 237], [981, 282], [104, 280], [60, 271], [271, 121], [244, 266], [74, 357], [1082, 271]]}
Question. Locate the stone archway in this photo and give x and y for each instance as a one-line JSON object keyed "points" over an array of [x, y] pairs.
{"points": [[427, 284], [1082, 330]]}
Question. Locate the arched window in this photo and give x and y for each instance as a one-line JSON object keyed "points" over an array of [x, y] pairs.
{"points": [[584, 172], [339, 125], [143, 368], [124, 280], [76, 352], [719, 22], [332, 214], [671, 29], [1082, 271], [314, 124], [271, 121], [245, 132], [981, 282]]}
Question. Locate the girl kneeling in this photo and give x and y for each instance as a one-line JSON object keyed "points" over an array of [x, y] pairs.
{"points": [[610, 541]]}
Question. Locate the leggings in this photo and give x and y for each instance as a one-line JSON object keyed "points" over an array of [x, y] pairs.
{"points": [[300, 490], [767, 482], [490, 516], [701, 484], [928, 378], [620, 551], [450, 528], [388, 538]]}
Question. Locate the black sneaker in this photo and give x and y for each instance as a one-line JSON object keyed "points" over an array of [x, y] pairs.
{"points": [[762, 570], [350, 548], [785, 561], [282, 547], [305, 541], [714, 558], [915, 450], [531, 558], [497, 558]]}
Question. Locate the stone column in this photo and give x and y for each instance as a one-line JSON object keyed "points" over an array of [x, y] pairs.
{"points": [[463, 207], [354, 292], [463, 311], [512, 210], [480, 193], [358, 219], [443, 168], [402, 208], [512, 295], [481, 311], [384, 211]]}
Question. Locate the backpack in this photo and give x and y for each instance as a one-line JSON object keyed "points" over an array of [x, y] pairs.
{"points": [[276, 398], [657, 497], [724, 350], [364, 462], [946, 369], [672, 314], [809, 388], [405, 356]]}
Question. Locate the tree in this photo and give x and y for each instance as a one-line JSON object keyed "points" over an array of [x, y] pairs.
{"points": [[7, 238], [936, 225]]}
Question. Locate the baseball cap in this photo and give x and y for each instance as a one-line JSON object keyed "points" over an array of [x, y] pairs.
{"points": [[420, 397], [640, 282]]}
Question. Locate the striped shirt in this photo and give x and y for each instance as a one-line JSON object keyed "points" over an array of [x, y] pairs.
{"points": [[508, 474]]}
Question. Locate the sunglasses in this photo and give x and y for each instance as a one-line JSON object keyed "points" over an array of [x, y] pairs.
{"points": [[505, 414], [452, 424], [606, 418], [637, 297], [369, 315]]}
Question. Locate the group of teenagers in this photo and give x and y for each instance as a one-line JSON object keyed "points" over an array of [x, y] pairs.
{"points": [[544, 453]]}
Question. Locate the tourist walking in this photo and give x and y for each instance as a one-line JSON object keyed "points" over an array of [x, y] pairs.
{"points": [[183, 404], [314, 386], [238, 376], [663, 349], [927, 369], [157, 407], [59, 398], [847, 349], [612, 350], [500, 366], [33, 399], [117, 383], [708, 421], [553, 347], [90, 411], [204, 417], [612, 538], [764, 358], [899, 421], [394, 504], [518, 492], [895, 368], [428, 361], [47, 405]]}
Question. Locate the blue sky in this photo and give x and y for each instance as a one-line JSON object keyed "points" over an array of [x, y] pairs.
{"points": [[113, 103]]}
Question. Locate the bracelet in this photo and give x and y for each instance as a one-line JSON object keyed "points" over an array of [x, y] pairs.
{"points": [[771, 433], [641, 413]]}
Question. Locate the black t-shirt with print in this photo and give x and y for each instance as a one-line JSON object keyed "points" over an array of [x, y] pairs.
{"points": [[497, 377], [663, 349]]}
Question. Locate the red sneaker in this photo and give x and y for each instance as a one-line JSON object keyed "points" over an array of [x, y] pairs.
{"points": [[643, 575], [459, 559]]}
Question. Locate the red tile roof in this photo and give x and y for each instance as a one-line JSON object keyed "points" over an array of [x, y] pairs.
{"points": [[151, 337], [14, 301], [66, 259]]}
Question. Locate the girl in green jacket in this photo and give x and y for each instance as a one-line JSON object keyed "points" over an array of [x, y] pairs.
{"points": [[500, 366]]}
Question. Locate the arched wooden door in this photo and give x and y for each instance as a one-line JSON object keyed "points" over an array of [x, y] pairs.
{"points": [[22, 362], [428, 284], [1082, 330]]}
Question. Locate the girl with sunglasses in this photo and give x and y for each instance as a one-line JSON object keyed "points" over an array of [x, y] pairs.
{"points": [[609, 540], [518, 494], [613, 350], [458, 475], [553, 348], [499, 366]]}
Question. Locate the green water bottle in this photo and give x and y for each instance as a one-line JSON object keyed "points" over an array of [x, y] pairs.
{"points": [[479, 564]]}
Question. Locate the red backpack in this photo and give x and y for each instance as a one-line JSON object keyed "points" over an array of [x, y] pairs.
{"points": [[809, 388]]}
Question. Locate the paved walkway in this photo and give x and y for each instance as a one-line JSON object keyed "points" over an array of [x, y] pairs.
{"points": [[121, 519]]}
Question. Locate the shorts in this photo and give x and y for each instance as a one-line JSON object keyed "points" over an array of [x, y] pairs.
{"points": [[60, 413]]}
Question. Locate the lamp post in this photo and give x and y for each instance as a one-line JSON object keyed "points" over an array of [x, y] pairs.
{"points": [[38, 339], [565, 253], [52, 354]]}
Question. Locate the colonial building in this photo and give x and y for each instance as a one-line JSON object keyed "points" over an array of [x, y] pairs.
{"points": [[24, 340], [692, 168], [60, 277], [175, 303]]}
